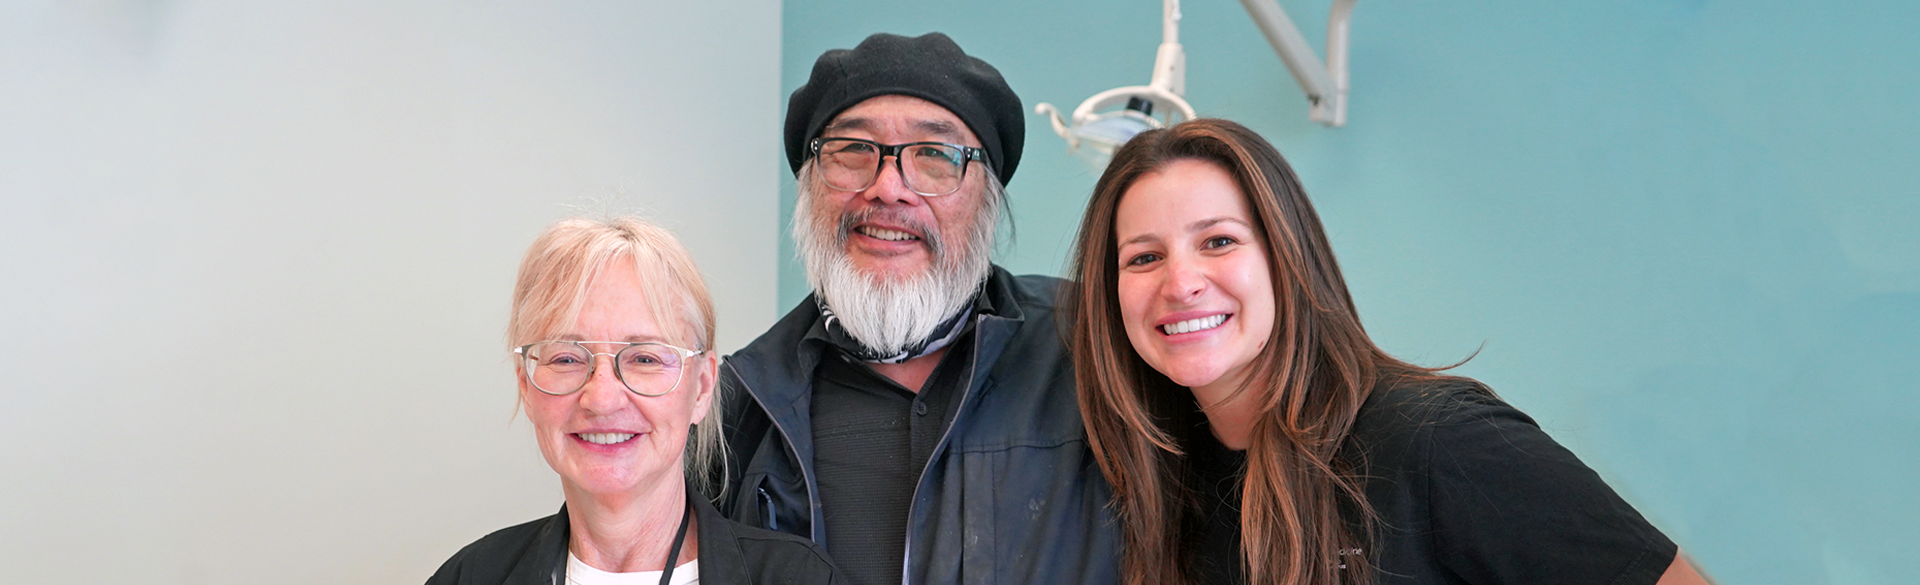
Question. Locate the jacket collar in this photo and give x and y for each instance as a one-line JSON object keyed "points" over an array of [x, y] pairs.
{"points": [[546, 560], [721, 560]]}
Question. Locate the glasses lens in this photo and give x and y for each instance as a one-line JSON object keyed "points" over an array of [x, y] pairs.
{"points": [[848, 165], [557, 367], [936, 168], [650, 369]]}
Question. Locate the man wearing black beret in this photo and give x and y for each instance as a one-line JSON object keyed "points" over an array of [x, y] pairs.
{"points": [[915, 414]]}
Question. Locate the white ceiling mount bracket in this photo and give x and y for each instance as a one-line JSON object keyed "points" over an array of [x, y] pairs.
{"points": [[1325, 83]]}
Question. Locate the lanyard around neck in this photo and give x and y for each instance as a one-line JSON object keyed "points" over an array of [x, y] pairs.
{"points": [[679, 538]]}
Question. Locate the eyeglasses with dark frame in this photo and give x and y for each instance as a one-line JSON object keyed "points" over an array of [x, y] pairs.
{"points": [[930, 169], [559, 368]]}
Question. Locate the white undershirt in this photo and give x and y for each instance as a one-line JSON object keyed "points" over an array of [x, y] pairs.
{"points": [[578, 573]]}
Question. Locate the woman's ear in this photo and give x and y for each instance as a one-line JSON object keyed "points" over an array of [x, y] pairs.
{"points": [[520, 395], [709, 373], [523, 388]]}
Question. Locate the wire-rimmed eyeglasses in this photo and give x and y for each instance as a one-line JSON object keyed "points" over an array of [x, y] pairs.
{"points": [[560, 368], [931, 169]]}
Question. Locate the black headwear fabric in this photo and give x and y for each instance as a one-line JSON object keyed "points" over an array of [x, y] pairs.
{"points": [[930, 67]]}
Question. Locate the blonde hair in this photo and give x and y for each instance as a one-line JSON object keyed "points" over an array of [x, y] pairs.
{"points": [[559, 269]]}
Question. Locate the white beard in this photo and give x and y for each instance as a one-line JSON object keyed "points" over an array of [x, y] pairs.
{"points": [[888, 312]]}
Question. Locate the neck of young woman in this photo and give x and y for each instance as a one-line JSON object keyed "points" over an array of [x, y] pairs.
{"points": [[1230, 417], [625, 533]]}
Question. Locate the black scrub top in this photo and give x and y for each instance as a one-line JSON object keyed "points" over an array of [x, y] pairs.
{"points": [[1465, 489]]}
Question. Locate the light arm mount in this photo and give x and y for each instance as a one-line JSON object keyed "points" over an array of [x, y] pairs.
{"points": [[1325, 83]]}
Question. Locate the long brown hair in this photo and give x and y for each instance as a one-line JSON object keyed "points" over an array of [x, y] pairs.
{"points": [[1316, 369]]}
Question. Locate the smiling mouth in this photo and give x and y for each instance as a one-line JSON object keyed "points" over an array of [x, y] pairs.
{"points": [[605, 438], [885, 234], [1192, 325]]}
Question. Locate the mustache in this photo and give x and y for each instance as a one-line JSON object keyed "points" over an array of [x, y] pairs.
{"points": [[929, 234]]}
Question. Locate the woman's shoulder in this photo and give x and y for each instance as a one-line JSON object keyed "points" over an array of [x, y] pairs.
{"points": [[494, 556], [765, 556], [1405, 420], [1414, 402], [780, 545]]}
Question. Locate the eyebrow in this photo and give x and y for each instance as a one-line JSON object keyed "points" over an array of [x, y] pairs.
{"points": [[845, 124], [1196, 226], [941, 128], [1213, 221]]}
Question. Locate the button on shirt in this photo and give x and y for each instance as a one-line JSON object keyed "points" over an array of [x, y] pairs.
{"points": [[872, 438]]}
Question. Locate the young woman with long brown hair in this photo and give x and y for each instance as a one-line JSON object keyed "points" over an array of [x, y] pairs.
{"points": [[1254, 433]]}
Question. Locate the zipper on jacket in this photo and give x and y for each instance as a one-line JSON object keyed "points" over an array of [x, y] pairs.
{"points": [[973, 371], [806, 476], [766, 503]]}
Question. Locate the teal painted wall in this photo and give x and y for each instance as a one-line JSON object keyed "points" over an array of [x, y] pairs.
{"points": [[1685, 234]]}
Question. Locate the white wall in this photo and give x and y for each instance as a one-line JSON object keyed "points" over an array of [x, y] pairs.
{"points": [[216, 216]]}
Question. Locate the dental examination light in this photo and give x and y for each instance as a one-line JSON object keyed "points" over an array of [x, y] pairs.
{"points": [[1104, 131], [1097, 125]]}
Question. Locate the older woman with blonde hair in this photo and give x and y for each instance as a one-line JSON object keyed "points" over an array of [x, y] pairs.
{"points": [[629, 435]]}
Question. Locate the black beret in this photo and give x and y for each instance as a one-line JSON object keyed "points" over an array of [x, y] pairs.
{"points": [[929, 67]]}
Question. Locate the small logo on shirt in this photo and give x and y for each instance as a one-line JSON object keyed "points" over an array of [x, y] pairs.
{"points": [[1348, 552]]}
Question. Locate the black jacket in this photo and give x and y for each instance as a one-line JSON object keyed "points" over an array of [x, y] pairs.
{"points": [[535, 553], [1011, 495]]}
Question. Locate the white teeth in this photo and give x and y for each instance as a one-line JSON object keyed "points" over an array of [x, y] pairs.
{"points": [[886, 234], [606, 438], [1192, 325]]}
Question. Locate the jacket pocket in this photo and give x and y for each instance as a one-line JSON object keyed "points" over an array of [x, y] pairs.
{"points": [[769, 502]]}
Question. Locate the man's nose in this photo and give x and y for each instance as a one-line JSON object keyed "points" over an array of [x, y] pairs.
{"points": [[890, 185]]}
